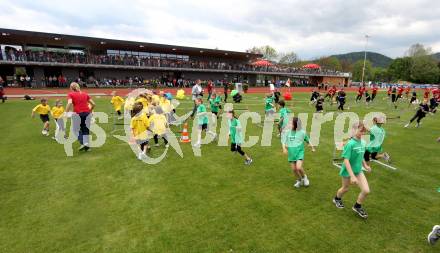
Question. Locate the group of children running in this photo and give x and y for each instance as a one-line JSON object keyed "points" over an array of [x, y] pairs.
{"points": [[152, 115], [57, 112]]}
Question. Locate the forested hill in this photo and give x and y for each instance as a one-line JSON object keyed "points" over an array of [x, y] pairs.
{"points": [[376, 59]]}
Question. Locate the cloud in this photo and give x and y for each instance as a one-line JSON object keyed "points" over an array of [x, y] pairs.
{"points": [[312, 29]]}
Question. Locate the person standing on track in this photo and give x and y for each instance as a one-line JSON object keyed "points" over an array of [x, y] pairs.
{"points": [[78, 102]]}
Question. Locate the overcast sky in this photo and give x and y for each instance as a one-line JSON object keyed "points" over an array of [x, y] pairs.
{"points": [[309, 28]]}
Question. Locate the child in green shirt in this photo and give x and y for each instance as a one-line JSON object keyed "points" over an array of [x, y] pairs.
{"points": [[284, 117], [377, 136], [293, 146], [214, 103], [351, 170], [202, 122], [236, 136], [269, 106]]}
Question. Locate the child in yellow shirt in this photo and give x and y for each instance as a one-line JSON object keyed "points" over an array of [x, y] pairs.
{"points": [[140, 129], [58, 115], [43, 110], [159, 125], [117, 103]]}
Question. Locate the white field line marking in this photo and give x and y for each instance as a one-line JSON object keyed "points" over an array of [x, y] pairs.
{"points": [[385, 165]]}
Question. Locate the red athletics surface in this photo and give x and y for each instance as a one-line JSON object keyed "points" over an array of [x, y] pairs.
{"points": [[61, 92]]}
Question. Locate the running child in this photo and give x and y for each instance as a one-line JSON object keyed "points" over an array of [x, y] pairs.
{"points": [[433, 104], [284, 117], [360, 93], [420, 114], [293, 146], [374, 147], [159, 126], [140, 129], [413, 98], [167, 107], [314, 97], [332, 92], [202, 122], [426, 94], [320, 104], [367, 98], [407, 91], [117, 103], [374, 92], [341, 99], [394, 96], [389, 91], [400, 92], [43, 110], [351, 170], [58, 114], [269, 106], [214, 103], [235, 134]]}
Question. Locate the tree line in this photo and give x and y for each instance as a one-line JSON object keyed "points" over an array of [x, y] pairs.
{"points": [[417, 65]]}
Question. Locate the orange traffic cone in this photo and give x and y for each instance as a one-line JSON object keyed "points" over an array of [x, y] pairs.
{"points": [[185, 137]]}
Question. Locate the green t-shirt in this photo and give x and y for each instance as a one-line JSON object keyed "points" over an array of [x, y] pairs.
{"points": [[235, 131], [203, 119], [215, 103], [377, 136], [353, 151], [294, 141], [269, 102], [284, 114]]}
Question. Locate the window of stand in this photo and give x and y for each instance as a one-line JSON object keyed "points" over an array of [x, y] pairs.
{"points": [[148, 55]]}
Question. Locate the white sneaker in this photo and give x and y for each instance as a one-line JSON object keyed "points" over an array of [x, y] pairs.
{"points": [[140, 155], [197, 145], [418, 125], [297, 184], [167, 145], [156, 145], [305, 181], [406, 126], [120, 117]]}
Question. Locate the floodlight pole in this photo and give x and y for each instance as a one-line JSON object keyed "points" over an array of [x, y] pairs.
{"points": [[365, 58]]}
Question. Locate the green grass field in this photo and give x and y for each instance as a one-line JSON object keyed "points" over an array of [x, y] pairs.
{"points": [[108, 201]]}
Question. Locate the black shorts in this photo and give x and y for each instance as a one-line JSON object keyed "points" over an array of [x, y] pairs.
{"points": [[367, 155], [393, 98], [216, 113], [203, 126], [235, 147], [319, 108], [412, 100], [44, 117]]}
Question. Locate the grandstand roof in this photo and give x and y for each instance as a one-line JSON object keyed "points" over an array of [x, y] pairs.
{"points": [[21, 37]]}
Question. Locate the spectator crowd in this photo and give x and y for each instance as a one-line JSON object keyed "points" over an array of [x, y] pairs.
{"points": [[147, 61]]}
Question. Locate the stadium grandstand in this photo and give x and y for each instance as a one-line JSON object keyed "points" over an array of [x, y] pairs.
{"points": [[37, 59]]}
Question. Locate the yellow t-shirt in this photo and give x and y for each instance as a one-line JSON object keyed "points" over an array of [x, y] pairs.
{"points": [[155, 99], [158, 123], [144, 101], [139, 125], [57, 112], [42, 109], [117, 102], [166, 105]]}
